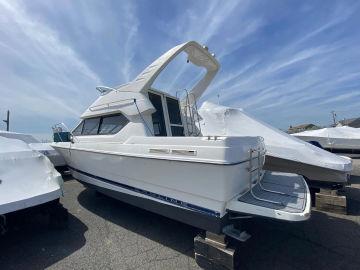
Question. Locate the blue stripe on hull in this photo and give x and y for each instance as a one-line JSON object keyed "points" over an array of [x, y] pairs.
{"points": [[153, 195]]}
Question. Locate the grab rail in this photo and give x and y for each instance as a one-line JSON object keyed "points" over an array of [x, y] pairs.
{"points": [[190, 111], [258, 180]]}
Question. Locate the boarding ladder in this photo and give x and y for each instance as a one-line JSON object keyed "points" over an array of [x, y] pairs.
{"points": [[255, 157], [190, 112]]}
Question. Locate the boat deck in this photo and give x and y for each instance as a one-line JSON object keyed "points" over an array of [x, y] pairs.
{"points": [[293, 186]]}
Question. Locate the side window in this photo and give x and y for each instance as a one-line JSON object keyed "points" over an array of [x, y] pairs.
{"points": [[77, 131], [176, 125], [112, 124], [91, 126]]}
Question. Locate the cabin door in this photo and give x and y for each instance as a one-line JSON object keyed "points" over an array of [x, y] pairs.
{"points": [[158, 117], [167, 120]]}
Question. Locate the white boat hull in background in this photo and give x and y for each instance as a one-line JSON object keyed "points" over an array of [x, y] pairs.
{"points": [[28, 178], [43, 148], [338, 140]]}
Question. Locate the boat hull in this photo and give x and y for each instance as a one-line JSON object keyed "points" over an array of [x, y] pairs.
{"points": [[201, 187], [315, 173], [197, 219], [29, 179]]}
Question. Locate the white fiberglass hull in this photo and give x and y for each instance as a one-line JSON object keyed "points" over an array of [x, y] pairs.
{"points": [[27, 177], [191, 191]]}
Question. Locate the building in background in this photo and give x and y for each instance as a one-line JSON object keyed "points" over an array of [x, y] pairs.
{"points": [[352, 122], [303, 127]]}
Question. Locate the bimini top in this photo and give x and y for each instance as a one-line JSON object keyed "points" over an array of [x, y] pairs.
{"points": [[123, 98], [226, 121], [335, 132]]}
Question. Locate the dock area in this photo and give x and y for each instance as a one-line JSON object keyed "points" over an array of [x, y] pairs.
{"points": [[104, 233]]}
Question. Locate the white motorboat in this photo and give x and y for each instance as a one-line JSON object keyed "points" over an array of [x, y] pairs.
{"points": [[43, 148], [341, 140], [284, 153], [134, 144], [27, 177]]}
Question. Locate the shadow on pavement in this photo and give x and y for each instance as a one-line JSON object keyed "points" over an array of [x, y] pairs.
{"points": [[31, 244], [323, 242], [167, 232]]}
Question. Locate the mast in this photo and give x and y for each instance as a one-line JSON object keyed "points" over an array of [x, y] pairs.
{"points": [[7, 120], [334, 117]]}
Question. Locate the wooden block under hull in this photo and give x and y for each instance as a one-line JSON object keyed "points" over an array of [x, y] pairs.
{"points": [[212, 256], [331, 202]]}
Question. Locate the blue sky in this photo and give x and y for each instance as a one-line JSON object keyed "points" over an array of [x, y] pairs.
{"points": [[286, 62]]}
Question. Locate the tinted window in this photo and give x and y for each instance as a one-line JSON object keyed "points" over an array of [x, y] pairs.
{"points": [[158, 116], [174, 111], [77, 131], [112, 124], [91, 126]]}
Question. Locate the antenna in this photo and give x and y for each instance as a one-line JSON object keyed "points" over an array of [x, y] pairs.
{"points": [[7, 120], [334, 117]]}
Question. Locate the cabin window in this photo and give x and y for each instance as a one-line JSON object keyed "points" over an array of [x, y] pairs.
{"points": [[104, 125], [158, 116], [112, 124], [176, 126], [77, 131], [91, 126]]}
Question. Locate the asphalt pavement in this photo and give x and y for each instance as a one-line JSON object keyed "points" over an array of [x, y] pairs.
{"points": [[103, 233]]}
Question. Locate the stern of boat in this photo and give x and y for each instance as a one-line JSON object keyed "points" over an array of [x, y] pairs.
{"points": [[278, 195]]}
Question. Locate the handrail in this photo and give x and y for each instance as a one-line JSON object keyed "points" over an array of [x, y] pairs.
{"points": [[258, 180], [190, 110]]}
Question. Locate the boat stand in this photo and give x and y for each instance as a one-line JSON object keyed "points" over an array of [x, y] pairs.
{"points": [[214, 251], [331, 201], [328, 197]]}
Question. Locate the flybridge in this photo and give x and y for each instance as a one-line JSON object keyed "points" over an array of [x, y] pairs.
{"points": [[121, 99]]}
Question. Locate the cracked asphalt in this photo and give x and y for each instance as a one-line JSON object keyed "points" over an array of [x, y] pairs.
{"points": [[106, 234]]}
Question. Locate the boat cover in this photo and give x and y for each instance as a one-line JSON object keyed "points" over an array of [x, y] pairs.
{"points": [[344, 132], [27, 177], [225, 121], [44, 148]]}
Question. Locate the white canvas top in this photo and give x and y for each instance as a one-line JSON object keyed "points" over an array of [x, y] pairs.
{"points": [[334, 132], [226, 121]]}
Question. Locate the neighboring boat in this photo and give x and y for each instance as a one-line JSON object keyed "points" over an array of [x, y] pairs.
{"points": [[134, 144], [27, 177], [43, 148], [284, 153], [341, 140]]}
